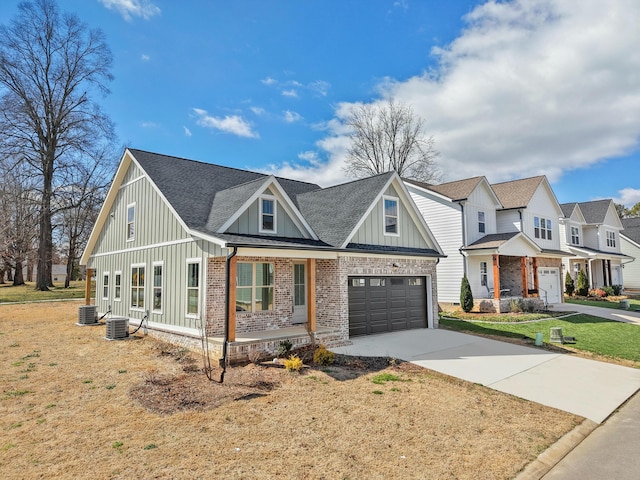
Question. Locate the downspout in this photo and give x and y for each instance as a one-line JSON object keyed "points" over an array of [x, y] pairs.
{"points": [[590, 272], [225, 343], [464, 240]]}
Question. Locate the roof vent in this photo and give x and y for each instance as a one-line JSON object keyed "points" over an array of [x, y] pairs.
{"points": [[87, 315], [117, 328]]}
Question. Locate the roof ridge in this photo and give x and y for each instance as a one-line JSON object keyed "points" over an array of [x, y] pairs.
{"points": [[540, 177]]}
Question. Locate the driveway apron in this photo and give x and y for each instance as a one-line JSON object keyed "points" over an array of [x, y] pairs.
{"points": [[584, 387]]}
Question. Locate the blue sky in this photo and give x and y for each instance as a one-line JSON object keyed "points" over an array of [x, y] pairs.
{"points": [[508, 89]]}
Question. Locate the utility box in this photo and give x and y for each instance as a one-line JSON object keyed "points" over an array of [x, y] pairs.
{"points": [[555, 335], [87, 315], [117, 328]]}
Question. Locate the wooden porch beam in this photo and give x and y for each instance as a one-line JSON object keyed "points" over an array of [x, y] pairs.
{"points": [[311, 294], [534, 267], [496, 276], [233, 280], [87, 287], [523, 268]]}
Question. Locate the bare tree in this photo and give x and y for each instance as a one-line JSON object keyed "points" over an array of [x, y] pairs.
{"points": [[51, 65], [389, 137]]}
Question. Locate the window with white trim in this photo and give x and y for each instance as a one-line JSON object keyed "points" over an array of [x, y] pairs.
{"points": [[117, 286], [481, 222], [137, 287], [483, 274], [157, 286], [105, 286], [390, 215], [254, 287], [611, 239], [267, 214], [131, 221], [193, 288], [575, 236], [542, 228]]}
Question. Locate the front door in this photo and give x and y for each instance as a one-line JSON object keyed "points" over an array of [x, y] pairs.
{"points": [[299, 293]]}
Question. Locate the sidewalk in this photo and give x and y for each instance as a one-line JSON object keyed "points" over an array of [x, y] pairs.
{"points": [[626, 316]]}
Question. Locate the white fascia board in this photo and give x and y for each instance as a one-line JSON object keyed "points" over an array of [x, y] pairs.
{"points": [[427, 192]]}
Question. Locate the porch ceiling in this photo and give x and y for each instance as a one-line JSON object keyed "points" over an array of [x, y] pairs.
{"points": [[593, 254]]}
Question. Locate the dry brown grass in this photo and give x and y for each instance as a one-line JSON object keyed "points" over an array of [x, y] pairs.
{"points": [[70, 408]]}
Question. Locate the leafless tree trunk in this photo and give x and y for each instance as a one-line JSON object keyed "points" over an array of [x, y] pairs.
{"points": [[50, 65], [387, 137]]}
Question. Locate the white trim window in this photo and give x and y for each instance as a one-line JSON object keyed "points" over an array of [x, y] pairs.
{"points": [[158, 268], [131, 222], [575, 236], [542, 228], [193, 288], [481, 223], [391, 215], [137, 287], [611, 239], [268, 220], [255, 287], [117, 286], [105, 285], [483, 274]]}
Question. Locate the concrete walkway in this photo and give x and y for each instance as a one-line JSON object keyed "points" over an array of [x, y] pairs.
{"points": [[610, 451], [627, 316], [587, 388]]}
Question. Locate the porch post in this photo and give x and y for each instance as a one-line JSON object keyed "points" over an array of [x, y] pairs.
{"points": [[534, 266], [523, 269], [233, 276], [87, 287], [311, 294], [496, 276], [610, 282]]}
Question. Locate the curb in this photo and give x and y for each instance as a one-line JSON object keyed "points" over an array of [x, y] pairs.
{"points": [[556, 452]]}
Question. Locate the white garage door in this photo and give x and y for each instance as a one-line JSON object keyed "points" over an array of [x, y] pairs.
{"points": [[549, 284]]}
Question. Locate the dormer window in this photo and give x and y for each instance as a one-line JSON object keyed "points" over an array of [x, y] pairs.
{"points": [[267, 214], [391, 216], [481, 222], [611, 239], [131, 221], [575, 236]]}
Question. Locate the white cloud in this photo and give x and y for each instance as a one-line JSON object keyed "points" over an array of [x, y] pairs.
{"points": [[628, 197], [187, 132], [320, 86], [529, 87], [258, 110], [144, 57], [291, 117], [268, 81], [148, 125], [132, 8], [289, 93], [233, 124]]}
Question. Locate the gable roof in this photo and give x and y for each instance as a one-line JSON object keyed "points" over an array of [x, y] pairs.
{"points": [[595, 212], [498, 241], [517, 193], [568, 208], [334, 212], [631, 228], [457, 190]]}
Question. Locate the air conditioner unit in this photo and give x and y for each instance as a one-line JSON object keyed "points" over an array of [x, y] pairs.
{"points": [[117, 328], [87, 315]]}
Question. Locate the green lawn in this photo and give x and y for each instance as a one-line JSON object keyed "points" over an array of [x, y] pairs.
{"points": [[27, 293], [635, 303], [594, 334]]}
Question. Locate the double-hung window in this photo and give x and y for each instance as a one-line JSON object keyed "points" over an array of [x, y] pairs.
{"points": [[137, 287], [481, 222], [575, 236], [267, 214], [131, 222], [611, 239], [254, 287], [193, 288], [391, 216], [105, 286], [542, 228], [117, 286], [157, 286]]}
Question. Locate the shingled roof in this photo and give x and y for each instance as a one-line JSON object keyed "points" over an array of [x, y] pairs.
{"points": [[517, 193], [457, 191], [631, 228], [567, 209], [595, 212]]}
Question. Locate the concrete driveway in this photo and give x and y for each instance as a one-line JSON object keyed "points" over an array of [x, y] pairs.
{"points": [[587, 388]]}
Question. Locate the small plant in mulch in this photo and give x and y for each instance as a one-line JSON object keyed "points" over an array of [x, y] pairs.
{"points": [[322, 356], [284, 348], [293, 364]]}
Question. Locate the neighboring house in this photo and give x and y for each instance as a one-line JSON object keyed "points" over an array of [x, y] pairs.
{"points": [[58, 273], [630, 246], [194, 247], [591, 232], [504, 237]]}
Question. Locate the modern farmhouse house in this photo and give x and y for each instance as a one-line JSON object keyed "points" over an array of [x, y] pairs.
{"points": [[198, 249]]}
